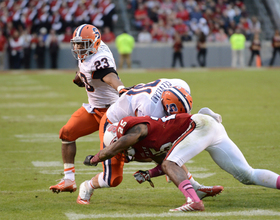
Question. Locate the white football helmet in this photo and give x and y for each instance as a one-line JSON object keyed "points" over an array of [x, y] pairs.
{"points": [[110, 135]]}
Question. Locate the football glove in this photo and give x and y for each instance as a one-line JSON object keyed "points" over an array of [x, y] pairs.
{"points": [[123, 90], [78, 81], [142, 176], [87, 161]]}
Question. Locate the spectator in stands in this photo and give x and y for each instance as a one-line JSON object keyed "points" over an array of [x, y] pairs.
{"points": [[140, 15], [203, 26], [40, 53], [221, 36], [255, 48], [158, 35], [27, 38], [177, 50], [16, 49], [67, 36], [237, 41], [275, 45], [125, 45], [153, 13], [182, 29], [183, 14], [190, 5], [108, 36], [52, 43], [254, 25], [110, 16], [244, 24], [196, 13], [201, 47], [144, 36], [3, 48]]}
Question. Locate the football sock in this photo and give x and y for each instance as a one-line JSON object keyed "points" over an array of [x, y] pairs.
{"points": [[186, 188], [156, 171], [195, 184], [90, 185], [278, 183], [69, 171]]}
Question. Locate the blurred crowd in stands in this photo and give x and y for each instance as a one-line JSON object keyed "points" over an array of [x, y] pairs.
{"points": [[44, 24], [29, 28], [158, 20]]}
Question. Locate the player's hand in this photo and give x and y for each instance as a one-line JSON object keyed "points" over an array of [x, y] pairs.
{"points": [[142, 176], [87, 161], [123, 90], [78, 81]]}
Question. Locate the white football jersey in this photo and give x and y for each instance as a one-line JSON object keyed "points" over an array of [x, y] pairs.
{"points": [[143, 99], [100, 94]]}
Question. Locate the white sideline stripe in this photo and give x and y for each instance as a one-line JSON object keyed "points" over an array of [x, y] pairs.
{"points": [[37, 118], [39, 105], [49, 137], [46, 164], [257, 212], [96, 171], [127, 166], [21, 88], [32, 96]]}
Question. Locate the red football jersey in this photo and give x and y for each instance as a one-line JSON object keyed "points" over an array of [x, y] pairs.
{"points": [[162, 132]]}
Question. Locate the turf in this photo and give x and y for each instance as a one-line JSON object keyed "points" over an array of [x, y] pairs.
{"points": [[35, 105]]}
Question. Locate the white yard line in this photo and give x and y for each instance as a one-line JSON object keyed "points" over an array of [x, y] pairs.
{"points": [[257, 212]]}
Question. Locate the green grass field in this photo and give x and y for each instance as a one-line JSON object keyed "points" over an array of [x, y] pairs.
{"points": [[34, 105]]}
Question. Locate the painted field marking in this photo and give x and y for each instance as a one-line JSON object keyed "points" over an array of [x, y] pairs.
{"points": [[50, 137], [129, 168], [31, 96], [21, 88], [257, 212], [36, 118], [39, 105], [47, 164]]}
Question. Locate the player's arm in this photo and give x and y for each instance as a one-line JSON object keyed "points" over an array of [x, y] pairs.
{"points": [[132, 136], [114, 81]]}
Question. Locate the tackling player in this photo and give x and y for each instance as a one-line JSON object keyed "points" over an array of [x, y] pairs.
{"points": [[187, 135], [150, 99], [97, 73]]}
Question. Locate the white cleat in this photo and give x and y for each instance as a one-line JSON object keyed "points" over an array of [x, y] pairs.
{"points": [[205, 191], [84, 193], [189, 206]]}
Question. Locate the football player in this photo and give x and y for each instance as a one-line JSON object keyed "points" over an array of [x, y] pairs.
{"points": [[150, 99], [187, 135], [98, 75]]}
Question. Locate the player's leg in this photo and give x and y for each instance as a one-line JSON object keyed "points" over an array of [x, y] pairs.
{"points": [[111, 176], [229, 157], [179, 177], [193, 141], [80, 124]]}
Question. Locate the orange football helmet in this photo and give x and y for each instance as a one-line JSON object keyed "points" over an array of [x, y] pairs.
{"points": [[85, 42], [176, 100]]}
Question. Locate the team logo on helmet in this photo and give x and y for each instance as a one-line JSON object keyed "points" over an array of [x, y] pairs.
{"points": [[176, 100], [110, 135]]}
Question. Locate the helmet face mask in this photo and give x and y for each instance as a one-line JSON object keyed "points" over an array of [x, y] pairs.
{"points": [[85, 42], [176, 100]]}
